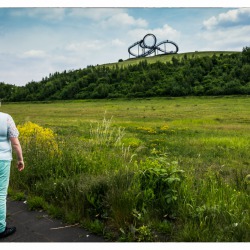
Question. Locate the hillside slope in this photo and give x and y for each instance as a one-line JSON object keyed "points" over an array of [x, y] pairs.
{"points": [[195, 73], [168, 57]]}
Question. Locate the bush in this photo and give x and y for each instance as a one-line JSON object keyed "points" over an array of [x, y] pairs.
{"points": [[159, 184]]}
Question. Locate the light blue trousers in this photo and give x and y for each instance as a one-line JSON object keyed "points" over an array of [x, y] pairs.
{"points": [[4, 183]]}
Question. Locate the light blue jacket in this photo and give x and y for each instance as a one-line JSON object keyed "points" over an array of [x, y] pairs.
{"points": [[5, 144]]}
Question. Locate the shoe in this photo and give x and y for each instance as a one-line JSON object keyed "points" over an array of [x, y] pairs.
{"points": [[8, 231]]}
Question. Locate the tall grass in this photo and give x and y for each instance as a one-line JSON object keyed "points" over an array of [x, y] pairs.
{"points": [[213, 209]]}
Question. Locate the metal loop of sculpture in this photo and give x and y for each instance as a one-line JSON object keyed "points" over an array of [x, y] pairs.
{"points": [[149, 49]]}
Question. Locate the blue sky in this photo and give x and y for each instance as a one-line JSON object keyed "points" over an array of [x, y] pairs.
{"points": [[35, 41]]}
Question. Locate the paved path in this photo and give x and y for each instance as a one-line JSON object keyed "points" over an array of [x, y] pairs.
{"points": [[35, 226]]}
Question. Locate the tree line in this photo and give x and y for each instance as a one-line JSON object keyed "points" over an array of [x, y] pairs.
{"points": [[222, 74]]}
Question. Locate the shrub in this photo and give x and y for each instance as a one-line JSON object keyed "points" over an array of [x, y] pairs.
{"points": [[31, 133], [159, 183]]}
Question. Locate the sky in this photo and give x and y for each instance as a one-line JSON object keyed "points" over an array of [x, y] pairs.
{"points": [[36, 41]]}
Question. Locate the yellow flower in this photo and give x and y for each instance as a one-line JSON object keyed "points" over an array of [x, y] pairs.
{"points": [[147, 129], [164, 128], [42, 137]]}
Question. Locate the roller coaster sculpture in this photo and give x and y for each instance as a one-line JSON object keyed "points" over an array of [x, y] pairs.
{"points": [[148, 49]]}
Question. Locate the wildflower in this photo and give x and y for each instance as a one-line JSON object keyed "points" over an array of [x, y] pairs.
{"points": [[41, 137], [164, 128], [147, 129]]}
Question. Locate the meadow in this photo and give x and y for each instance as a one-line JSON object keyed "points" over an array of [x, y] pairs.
{"points": [[159, 169]]}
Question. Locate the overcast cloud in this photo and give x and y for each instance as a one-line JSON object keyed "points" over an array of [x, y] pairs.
{"points": [[35, 42]]}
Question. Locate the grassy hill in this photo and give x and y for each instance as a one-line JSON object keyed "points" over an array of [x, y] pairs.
{"points": [[167, 58], [186, 74]]}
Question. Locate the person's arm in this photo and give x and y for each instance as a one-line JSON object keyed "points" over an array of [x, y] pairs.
{"points": [[18, 149], [13, 134]]}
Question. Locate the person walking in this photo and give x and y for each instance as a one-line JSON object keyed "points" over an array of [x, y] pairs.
{"points": [[8, 141]]}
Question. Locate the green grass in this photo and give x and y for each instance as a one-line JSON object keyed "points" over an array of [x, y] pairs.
{"points": [[168, 58], [109, 147]]}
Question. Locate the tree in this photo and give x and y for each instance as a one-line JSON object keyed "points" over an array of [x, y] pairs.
{"points": [[245, 73], [101, 91], [197, 75], [246, 55]]}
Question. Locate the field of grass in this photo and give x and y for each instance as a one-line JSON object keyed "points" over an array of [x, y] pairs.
{"points": [[160, 169]]}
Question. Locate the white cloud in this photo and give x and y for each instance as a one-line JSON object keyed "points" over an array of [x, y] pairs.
{"points": [[210, 23], [33, 54], [229, 39], [227, 31], [84, 46], [125, 20], [167, 32], [164, 33], [117, 42], [51, 14], [234, 17], [96, 14]]}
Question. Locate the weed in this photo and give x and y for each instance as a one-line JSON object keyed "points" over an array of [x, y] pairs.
{"points": [[16, 195], [36, 203], [96, 226], [144, 234], [159, 182], [104, 135]]}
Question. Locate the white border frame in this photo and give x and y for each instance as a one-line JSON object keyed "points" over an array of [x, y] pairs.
{"points": [[125, 3]]}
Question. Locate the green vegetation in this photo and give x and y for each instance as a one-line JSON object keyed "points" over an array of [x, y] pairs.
{"points": [[160, 169], [133, 167], [196, 74]]}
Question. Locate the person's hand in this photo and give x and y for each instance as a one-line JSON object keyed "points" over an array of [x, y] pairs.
{"points": [[20, 165]]}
